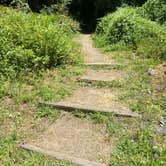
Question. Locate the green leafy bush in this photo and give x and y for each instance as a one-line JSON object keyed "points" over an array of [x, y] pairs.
{"points": [[126, 27], [59, 6], [152, 47], [34, 41], [20, 5], [154, 10]]}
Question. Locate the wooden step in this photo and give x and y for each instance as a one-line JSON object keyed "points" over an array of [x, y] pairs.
{"points": [[78, 141], [77, 106], [105, 76], [90, 99], [59, 156], [98, 65]]}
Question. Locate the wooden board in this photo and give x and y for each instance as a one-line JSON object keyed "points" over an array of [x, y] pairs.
{"points": [[73, 106], [59, 156]]}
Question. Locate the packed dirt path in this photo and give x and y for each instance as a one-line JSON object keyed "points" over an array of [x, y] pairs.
{"points": [[92, 54], [82, 141]]}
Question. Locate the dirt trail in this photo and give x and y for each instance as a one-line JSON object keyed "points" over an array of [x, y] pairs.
{"points": [[81, 141], [80, 138], [92, 54]]}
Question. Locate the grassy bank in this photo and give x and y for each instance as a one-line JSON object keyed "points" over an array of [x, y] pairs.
{"points": [[136, 36], [144, 146]]}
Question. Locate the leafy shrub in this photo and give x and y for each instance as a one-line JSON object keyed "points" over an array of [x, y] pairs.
{"points": [[52, 9], [20, 5], [57, 7], [133, 2], [127, 27], [154, 10], [152, 47], [109, 23], [34, 41]]}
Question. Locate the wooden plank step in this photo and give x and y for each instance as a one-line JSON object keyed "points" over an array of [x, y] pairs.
{"points": [[102, 76], [59, 156], [76, 140], [90, 99], [102, 65], [75, 106]]}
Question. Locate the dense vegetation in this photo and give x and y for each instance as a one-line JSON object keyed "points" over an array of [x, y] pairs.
{"points": [[135, 28], [154, 10], [33, 41], [88, 11]]}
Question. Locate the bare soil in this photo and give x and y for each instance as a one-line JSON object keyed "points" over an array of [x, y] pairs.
{"points": [[98, 100], [102, 75], [80, 138]]}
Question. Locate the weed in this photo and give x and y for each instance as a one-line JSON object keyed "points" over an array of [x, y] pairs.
{"points": [[97, 117], [10, 154], [48, 112], [21, 116], [138, 151]]}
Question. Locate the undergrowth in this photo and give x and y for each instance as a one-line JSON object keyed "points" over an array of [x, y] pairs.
{"points": [[35, 41], [154, 10]]}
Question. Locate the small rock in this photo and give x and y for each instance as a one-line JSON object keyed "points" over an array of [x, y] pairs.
{"points": [[156, 156], [135, 55], [162, 121], [143, 125], [152, 142], [161, 130], [132, 141], [149, 92], [151, 71]]}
